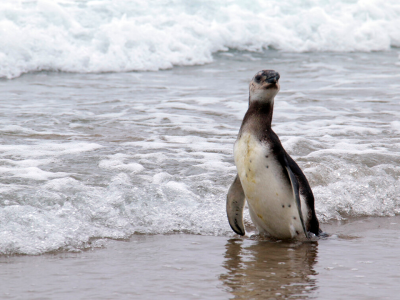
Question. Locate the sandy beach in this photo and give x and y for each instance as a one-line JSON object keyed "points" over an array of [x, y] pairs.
{"points": [[358, 261]]}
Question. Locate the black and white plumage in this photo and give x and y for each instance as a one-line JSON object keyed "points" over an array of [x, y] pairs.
{"points": [[280, 200]]}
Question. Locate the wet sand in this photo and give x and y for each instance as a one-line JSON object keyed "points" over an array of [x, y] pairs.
{"points": [[361, 260]]}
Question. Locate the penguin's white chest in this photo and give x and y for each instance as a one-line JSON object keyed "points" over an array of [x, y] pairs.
{"points": [[267, 188]]}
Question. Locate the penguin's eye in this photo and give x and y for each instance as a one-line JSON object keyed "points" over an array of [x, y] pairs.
{"points": [[258, 78]]}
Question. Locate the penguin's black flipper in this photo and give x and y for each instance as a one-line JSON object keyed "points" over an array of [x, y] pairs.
{"points": [[234, 206], [295, 188]]}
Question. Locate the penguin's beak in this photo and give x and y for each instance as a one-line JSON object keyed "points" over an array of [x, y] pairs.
{"points": [[272, 77]]}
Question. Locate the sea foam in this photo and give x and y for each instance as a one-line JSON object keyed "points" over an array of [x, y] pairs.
{"points": [[110, 36]]}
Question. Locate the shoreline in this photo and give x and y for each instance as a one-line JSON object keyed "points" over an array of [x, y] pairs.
{"points": [[357, 261]]}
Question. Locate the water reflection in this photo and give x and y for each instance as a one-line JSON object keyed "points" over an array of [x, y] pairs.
{"points": [[260, 269]]}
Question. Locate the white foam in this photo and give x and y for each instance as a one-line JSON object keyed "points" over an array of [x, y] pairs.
{"points": [[395, 125], [32, 173], [93, 36], [48, 149], [116, 161], [161, 177], [28, 158]]}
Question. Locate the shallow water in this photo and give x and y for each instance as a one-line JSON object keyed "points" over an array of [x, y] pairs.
{"points": [[90, 156], [359, 261]]}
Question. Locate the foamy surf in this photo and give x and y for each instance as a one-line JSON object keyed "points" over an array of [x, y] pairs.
{"points": [[86, 157], [109, 36]]}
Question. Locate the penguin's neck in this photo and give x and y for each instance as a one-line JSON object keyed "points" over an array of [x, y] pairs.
{"points": [[258, 117]]}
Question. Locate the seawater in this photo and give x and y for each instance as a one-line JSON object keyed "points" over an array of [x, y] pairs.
{"points": [[87, 155], [115, 36], [91, 156]]}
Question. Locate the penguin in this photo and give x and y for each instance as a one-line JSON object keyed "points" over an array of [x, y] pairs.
{"points": [[279, 197]]}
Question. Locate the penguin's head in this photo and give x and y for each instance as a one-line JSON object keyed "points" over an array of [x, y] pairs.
{"points": [[264, 86]]}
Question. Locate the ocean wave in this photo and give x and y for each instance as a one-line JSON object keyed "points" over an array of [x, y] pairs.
{"points": [[108, 36]]}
